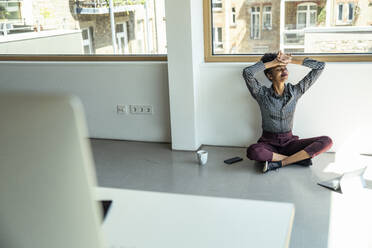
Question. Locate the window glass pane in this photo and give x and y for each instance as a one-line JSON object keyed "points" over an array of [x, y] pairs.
{"points": [[351, 11], [85, 34], [312, 18], [346, 29], [301, 20], [86, 50], [340, 7], [217, 4], [233, 16], [119, 28], [82, 27]]}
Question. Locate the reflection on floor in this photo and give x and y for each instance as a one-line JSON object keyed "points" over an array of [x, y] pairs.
{"points": [[154, 167]]}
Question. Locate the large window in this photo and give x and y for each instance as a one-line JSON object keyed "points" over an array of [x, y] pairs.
{"points": [[334, 30], [83, 27]]}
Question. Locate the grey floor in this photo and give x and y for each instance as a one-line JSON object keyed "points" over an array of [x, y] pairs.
{"points": [[154, 167]]}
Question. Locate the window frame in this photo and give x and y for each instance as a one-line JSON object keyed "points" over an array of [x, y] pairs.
{"points": [[210, 57], [82, 57]]}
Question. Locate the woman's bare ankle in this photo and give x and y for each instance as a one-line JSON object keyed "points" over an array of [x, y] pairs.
{"points": [[278, 157]]}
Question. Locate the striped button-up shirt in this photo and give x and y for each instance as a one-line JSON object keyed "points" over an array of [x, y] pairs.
{"points": [[277, 110]]}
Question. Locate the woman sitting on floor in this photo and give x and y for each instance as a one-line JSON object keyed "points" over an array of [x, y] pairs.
{"points": [[277, 146]]}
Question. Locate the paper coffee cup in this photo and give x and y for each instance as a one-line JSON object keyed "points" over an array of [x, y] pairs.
{"points": [[202, 157]]}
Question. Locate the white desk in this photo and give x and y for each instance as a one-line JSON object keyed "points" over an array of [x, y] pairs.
{"points": [[139, 219]]}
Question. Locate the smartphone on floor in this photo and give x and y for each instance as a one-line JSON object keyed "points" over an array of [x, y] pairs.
{"points": [[232, 160]]}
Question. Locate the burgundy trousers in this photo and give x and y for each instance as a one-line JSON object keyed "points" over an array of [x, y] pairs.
{"points": [[286, 144]]}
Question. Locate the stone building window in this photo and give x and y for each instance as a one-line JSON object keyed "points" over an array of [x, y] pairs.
{"points": [[345, 13], [350, 15], [306, 15], [217, 39], [217, 5], [340, 12], [255, 23], [233, 16], [122, 38], [87, 34], [267, 20]]}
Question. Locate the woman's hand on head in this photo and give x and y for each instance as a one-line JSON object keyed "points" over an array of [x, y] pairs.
{"points": [[283, 59]]}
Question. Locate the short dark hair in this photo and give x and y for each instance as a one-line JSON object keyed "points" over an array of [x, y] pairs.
{"points": [[267, 57]]}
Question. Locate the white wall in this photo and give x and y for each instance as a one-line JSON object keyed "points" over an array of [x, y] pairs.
{"points": [[339, 104], [101, 86]]}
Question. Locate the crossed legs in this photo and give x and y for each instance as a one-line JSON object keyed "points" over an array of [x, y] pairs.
{"points": [[295, 151]]}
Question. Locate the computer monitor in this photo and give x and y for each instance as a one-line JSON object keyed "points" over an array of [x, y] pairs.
{"points": [[46, 174]]}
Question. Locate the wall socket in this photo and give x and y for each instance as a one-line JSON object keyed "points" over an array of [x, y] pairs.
{"points": [[121, 109], [141, 109]]}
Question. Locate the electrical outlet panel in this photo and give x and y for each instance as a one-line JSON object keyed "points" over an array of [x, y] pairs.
{"points": [[141, 109]]}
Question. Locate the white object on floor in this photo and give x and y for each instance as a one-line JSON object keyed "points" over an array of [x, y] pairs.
{"points": [[150, 219], [202, 157], [350, 181]]}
